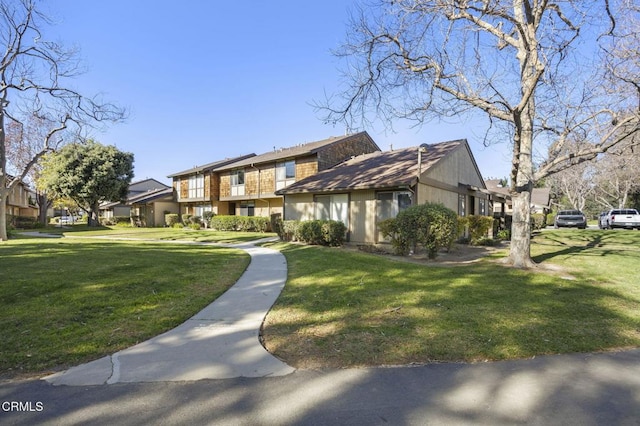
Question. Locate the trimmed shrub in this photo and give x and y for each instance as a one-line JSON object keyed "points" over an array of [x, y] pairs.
{"points": [[504, 234], [123, 220], [538, 221], [290, 230], [206, 218], [275, 221], [479, 227], [24, 222], [429, 226], [315, 232], [171, 219], [333, 232], [311, 232], [240, 223]]}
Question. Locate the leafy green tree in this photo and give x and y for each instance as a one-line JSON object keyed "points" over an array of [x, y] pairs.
{"points": [[88, 173]]}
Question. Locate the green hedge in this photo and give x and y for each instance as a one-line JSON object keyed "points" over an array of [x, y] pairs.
{"points": [[316, 232], [479, 227], [428, 226], [240, 223], [23, 222], [538, 221], [170, 219]]}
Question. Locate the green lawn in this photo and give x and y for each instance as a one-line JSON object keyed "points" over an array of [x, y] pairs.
{"points": [[67, 301], [342, 308], [173, 234], [71, 300]]}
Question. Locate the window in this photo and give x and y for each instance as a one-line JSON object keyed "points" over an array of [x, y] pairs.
{"points": [[201, 209], [333, 207], [237, 182], [482, 204], [462, 200], [247, 208], [285, 173], [196, 186], [392, 203]]}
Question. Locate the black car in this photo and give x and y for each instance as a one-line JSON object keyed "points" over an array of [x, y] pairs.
{"points": [[570, 218]]}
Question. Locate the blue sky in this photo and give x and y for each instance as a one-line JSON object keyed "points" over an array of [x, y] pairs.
{"points": [[207, 80]]}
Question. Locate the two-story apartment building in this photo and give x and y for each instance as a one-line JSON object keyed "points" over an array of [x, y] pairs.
{"points": [[21, 201], [197, 190], [247, 185]]}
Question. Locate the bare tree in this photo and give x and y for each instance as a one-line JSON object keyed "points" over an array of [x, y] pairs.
{"points": [[575, 184], [533, 68], [23, 141], [617, 176], [34, 85]]}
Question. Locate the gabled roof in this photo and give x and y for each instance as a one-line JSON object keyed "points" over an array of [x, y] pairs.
{"points": [[157, 183], [149, 196], [292, 152], [539, 196], [378, 170], [211, 166]]}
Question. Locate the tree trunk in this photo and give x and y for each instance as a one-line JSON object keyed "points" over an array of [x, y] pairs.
{"points": [[531, 70], [520, 251], [4, 194], [43, 206], [93, 215]]}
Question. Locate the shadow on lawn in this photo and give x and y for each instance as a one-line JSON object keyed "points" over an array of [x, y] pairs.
{"points": [[94, 296], [587, 243], [361, 309]]}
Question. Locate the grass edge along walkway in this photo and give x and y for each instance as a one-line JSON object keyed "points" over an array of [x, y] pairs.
{"points": [[93, 297], [346, 309]]}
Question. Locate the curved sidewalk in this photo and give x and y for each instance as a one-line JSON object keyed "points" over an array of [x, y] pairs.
{"points": [[220, 342]]}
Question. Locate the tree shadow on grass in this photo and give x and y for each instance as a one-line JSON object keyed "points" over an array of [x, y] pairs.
{"points": [[586, 243], [344, 309]]}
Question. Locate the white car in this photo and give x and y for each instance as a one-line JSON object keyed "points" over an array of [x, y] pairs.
{"points": [[621, 218], [67, 220]]}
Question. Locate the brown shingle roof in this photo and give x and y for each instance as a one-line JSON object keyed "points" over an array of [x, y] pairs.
{"points": [[211, 166], [377, 170], [291, 152]]}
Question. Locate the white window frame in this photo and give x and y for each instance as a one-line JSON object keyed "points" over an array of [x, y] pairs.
{"points": [[462, 205], [338, 208], [237, 182], [482, 204], [395, 205], [196, 186], [285, 173]]}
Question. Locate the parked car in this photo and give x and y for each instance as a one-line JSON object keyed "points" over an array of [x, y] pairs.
{"points": [[570, 218], [621, 218], [68, 220], [602, 220]]}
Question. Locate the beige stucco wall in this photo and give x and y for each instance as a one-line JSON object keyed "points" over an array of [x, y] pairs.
{"points": [[362, 219], [299, 207], [159, 207]]}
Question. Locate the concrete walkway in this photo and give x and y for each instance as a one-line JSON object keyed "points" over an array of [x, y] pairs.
{"points": [[220, 342]]}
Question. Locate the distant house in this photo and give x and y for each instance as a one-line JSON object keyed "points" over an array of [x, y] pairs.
{"points": [[149, 208], [247, 185], [369, 188], [540, 199], [123, 208], [21, 200]]}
